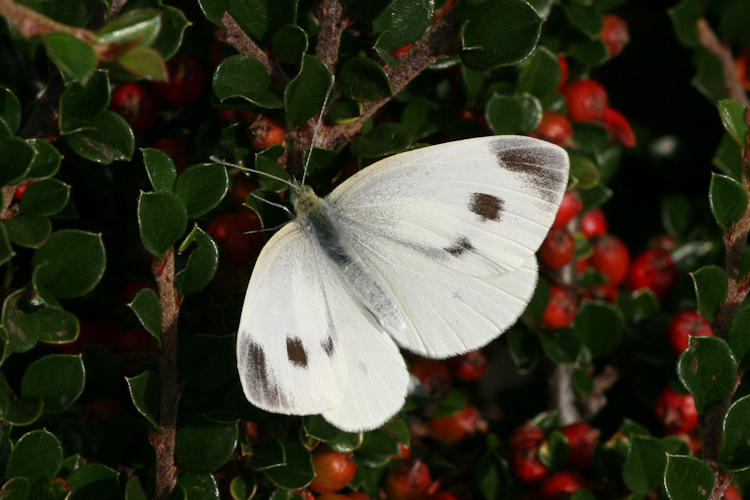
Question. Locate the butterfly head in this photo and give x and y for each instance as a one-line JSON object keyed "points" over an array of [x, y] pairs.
{"points": [[306, 202]]}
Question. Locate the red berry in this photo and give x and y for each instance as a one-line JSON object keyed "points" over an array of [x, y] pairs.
{"points": [[732, 493], [454, 428], [358, 495], [614, 34], [470, 366], [561, 309], [654, 269], [742, 66], [434, 375], [582, 265], [175, 149], [265, 132], [605, 292], [569, 208], [187, 79], [594, 223], [333, 471], [561, 485], [611, 258], [586, 100], [236, 247], [676, 411], [443, 10], [22, 187], [134, 102], [555, 128], [404, 452], [563, 72], [619, 128], [557, 249], [582, 439], [408, 481], [400, 52], [684, 325], [526, 464], [529, 434]]}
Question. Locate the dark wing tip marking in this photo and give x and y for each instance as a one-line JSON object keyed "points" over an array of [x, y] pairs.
{"points": [[461, 245], [328, 346], [258, 372], [295, 351], [531, 161], [486, 206]]}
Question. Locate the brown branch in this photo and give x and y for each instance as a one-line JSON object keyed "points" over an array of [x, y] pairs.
{"points": [[332, 26], [245, 45], [735, 239], [593, 403], [164, 443], [6, 197]]}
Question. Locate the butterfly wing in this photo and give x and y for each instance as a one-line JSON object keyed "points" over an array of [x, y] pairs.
{"points": [[451, 231], [305, 346]]}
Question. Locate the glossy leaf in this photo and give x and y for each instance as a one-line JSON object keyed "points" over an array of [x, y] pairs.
{"points": [[297, 471], [199, 486], [728, 200], [134, 489], [16, 488], [709, 79], [46, 197], [202, 263], [6, 252], [56, 379], [10, 109], [27, 322], [81, 104], [162, 220], [402, 22], [145, 392], [18, 411], [708, 369], [204, 446], [173, 26], [16, 156], [147, 307], [600, 327], [94, 481], [251, 15], [711, 288], [145, 62], [72, 56], [734, 117], [513, 114], [584, 171], [644, 465], [363, 78], [385, 139], [160, 169], [304, 96], [110, 139], [37, 455], [735, 454], [587, 51], [685, 16], [540, 73], [244, 77], [290, 44], [140, 26], [739, 336], [26, 231], [202, 187], [586, 18], [378, 448], [46, 162], [728, 157], [561, 346], [70, 263], [498, 32], [687, 478]]}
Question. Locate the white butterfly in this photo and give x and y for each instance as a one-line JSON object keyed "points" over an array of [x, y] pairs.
{"points": [[431, 250]]}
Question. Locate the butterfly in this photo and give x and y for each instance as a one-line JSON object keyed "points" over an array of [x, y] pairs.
{"points": [[431, 250]]}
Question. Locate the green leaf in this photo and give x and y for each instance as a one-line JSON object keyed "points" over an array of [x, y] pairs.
{"points": [[385, 139], [110, 139], [316, 427], [297, 471], [160, 169], [498, 32], [10, 109], [147, 307], [173, 26], [728, 157], [268, 456], [735, 454], [247, 78], [145, 392], [728, 200], [638, 305], [251, 15], [16, 488], [140, 26], [561, 346], [600, 327], [56, 379], [708, 370], [687, 478], [304, 96], [513, 114], [523, 348], [80, 105], [243, 487], [363, 78], [28, 322], [70, 263], [452, 403], [587, 51], [398, 427], [46, 162], [18, 411], [734, 117], [554, 452], [6, 252], [711, 288], [709, 79], [199, 486], [201, 265], [37, 455], [685, 16], [46, 197], [134, 489], [27, 231], [644, 465], [540, 73], [145, 62], [16, 156], [378, 449], [402, 23], [584, 171], [202, 187], [72, 56], [94, 481], [586, 18], [290, 44], [162, 220], [739, 333], [203, 446]]}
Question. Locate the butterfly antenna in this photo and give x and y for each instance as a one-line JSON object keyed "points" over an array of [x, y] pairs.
{"points": [[266, 229], [317, 127], [218, 160], [273, 204]]}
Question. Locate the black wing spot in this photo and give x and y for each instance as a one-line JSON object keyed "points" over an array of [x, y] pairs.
{"points": [[295, 351], [259, 375], [528, 161], [328, 346], [486, 206], [460, 246]]}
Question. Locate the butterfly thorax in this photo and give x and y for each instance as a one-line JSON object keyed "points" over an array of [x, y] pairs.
{"points": [[314, 217]]}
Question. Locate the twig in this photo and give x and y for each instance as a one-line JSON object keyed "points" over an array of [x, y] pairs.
{"points": [[735, 239], [6, 197], [246, 46], [164, 443], [116, 7], [332, 26], [593, 403]]}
